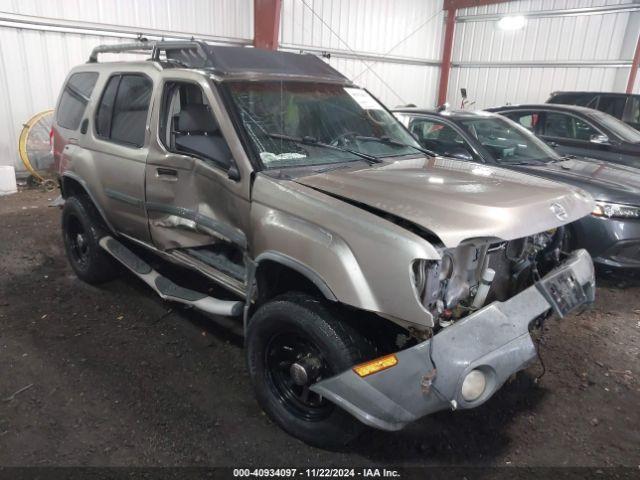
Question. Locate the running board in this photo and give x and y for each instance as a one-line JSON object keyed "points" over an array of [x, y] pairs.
{"points": [[165, 287]]}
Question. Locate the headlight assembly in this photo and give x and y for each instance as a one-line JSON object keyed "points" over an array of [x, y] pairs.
{"points": [[615, 210]]}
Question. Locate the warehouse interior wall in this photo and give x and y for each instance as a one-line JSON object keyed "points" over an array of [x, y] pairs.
{"points": [[391, 47], [40, 41], [569, 52]]}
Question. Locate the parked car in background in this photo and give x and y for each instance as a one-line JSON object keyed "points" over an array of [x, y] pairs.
{"points": [[578, 131], [357, 264], [611, 233], [623, 106]]}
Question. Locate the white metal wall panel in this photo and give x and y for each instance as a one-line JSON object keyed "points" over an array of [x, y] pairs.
{"points": [[230, 18], [411, 29], [393, 84], [34, 63], [366, 26], [480, 47], [588, 37], [490, 87], [517, 6]]}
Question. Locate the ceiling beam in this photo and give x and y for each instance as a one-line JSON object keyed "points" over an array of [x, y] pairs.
{"points": [[455, 4]]}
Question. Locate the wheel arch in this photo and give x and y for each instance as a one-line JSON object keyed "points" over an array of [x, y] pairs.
{"points": [[271, 263], [72, 185]]}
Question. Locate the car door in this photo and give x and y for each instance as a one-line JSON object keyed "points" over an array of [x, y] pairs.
{"points": [[573, 135], [195, 194], [118, 150]]}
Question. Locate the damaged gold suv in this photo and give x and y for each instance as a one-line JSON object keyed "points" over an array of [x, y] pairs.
{"points": [[376, 283]]}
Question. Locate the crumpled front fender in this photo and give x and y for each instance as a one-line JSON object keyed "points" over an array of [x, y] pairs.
{"points": [[428, 377]]}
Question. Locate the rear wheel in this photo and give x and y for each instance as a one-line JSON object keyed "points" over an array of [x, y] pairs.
{"points": [[81, 231], [293, 342]]}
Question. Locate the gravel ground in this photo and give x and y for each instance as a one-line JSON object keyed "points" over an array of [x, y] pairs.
{"points": [[113, 376]]}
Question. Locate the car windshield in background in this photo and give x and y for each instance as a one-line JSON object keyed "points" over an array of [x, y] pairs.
{"points": [[508, 142], [303, 124], [621, 129]]}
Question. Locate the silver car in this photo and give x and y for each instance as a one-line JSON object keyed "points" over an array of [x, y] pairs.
{"points": [[376, 283]]}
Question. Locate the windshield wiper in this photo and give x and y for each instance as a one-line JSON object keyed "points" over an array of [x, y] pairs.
{"points": [[314, 142], [389, 141]]}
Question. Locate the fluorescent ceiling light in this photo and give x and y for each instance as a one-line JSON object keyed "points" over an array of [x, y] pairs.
{"points": [[512, 23]]}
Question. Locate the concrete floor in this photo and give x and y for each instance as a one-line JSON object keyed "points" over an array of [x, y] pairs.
{"points": [[115, 376]]}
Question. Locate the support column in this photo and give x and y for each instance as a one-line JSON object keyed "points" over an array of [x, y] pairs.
{"points": [[445, 66], [266, 23], [634, 68]]}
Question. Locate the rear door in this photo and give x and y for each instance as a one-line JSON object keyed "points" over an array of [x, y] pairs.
{"points": [[119, 150]]}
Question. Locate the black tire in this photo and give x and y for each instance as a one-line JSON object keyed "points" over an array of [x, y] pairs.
{"points": [[81, 230], [295, 319]]}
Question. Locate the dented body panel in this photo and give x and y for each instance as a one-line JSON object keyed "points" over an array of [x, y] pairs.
{"points": [[428, 377]]}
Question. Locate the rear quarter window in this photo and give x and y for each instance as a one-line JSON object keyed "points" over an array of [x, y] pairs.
{"points": [[74, 99]]}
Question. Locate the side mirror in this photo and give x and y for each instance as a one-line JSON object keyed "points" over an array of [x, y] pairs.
{"points": [[600, 139], [233, 173]]}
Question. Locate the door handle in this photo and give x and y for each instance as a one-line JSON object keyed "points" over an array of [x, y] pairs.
{"points": [[167, 174]]}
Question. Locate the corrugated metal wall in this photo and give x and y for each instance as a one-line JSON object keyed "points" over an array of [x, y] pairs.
{"points": [[34, 63], [482, 53], [358, 32]]}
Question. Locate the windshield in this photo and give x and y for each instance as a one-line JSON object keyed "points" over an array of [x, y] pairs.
{"points": [[621, 129], [303, 124], [508, 142]]}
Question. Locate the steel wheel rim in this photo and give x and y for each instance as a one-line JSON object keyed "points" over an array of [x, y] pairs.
{"points": [[77, 240], [282, 351]]}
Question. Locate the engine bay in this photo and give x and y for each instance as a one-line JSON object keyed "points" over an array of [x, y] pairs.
{"points": [[479, 272]]}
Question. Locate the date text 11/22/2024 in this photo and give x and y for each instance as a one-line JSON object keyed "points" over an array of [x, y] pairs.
{"points": [[316, 472]]}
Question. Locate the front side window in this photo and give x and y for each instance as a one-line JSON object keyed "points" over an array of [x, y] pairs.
{"points": [[561, 125], [508, 142], [618, 127], [188, 125], [528, 120], [440, 138], [123, 109], [305, 123], [74, 99]]}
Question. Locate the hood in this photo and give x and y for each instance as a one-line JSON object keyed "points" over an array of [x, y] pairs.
{"points": [[605, 181], [458, 200]]}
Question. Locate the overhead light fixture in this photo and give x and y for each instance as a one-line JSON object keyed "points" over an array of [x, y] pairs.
{"points": [[512, 23]]}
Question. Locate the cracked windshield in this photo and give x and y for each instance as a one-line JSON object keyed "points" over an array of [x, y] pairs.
{"points": [[305, 123]]}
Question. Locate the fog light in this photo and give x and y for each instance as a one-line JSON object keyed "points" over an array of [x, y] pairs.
{"points": [[473, 385]]}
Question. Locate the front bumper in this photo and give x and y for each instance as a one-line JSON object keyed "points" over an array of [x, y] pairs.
{"points": [[613, 243], [495, 340]]}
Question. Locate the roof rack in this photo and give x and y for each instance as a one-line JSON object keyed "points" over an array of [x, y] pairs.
{"points": [[188, 53]]}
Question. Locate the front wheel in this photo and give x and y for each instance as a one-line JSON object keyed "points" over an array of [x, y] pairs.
{"points": [[293, 342]]}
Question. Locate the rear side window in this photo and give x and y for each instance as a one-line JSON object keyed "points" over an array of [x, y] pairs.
{"points": [[74, 99], [612, 104], [123, 109]]}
